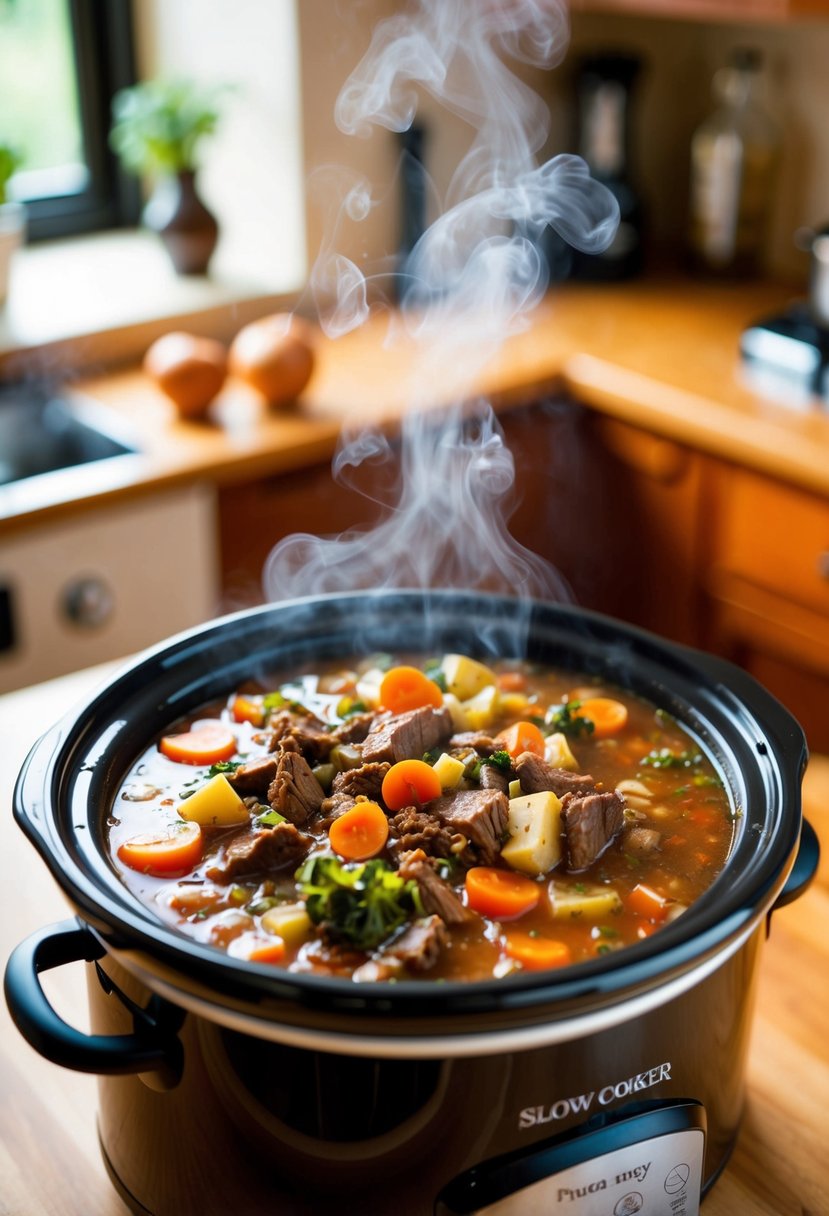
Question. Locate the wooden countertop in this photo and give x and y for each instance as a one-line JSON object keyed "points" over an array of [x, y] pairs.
{"points": [[661, 354], [49, 1160]]}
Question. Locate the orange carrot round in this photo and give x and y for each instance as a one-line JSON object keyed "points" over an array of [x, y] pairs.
{"points": [[272, 951], [521, 737], [500, 893], [208, 744], [511, 681], [409, 783], [172, 850], [405, 688], [537, 953], [359, 833], [645, 902], [608, 716], [248, 709]]}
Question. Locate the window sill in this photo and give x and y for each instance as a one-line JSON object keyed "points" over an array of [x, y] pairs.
{"points": [[102, 299]]}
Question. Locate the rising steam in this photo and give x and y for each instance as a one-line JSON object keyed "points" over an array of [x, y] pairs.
{"points": [[470, 281]]}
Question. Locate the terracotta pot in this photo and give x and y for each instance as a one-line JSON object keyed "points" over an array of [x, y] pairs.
{"points": [[187, 229]]}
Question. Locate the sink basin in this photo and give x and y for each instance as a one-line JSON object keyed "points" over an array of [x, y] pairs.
{"points": [[42, 431]]}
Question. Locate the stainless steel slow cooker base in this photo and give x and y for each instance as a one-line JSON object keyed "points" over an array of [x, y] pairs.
{"points": [[265, 1128]]}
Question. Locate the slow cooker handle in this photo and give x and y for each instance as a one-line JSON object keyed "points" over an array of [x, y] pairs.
{"points": [[804, 868], [153, 1048]]}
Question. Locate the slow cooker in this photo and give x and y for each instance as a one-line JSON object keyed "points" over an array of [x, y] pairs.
{"points": [[614, 1086]]}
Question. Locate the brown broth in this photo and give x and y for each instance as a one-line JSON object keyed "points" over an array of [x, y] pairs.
{"points": [[686, 804]]}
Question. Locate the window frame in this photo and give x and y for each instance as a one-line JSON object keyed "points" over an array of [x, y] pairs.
{"points": [[103, 46]]}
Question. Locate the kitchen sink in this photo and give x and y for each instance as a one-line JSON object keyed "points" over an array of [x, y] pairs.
{"points": [[42, 431]]}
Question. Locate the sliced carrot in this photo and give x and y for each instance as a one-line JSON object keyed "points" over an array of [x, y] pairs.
{"points": [[359, 833], [521, 737], [645, 902], [409, 783], [208, 744], [537, 953], [247, 709], [272, 951], [500, 893], [608, 716], [173, 850], [511, 681], [405, 688]]}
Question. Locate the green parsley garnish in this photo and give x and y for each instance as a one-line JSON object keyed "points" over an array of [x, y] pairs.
{"points": [[360, 903]]}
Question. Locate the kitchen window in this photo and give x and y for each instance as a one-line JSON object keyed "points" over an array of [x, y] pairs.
{"points": [[61, 61]]}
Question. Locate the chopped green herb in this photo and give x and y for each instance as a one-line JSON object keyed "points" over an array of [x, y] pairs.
{"points": [[262, 905], [346, 706], [561, 719], [432, 756], [437, 675], [602, 948], [360, 903], [270, 819], [702, 780], [223, 766], [608, 931], [500, 760], [663, 757]]}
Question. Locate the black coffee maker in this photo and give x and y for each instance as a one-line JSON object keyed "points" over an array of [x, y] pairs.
{"points": [[605, 93]]}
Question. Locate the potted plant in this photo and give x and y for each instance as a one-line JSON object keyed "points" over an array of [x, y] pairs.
{"points": [[12, 215], [158, 127]]}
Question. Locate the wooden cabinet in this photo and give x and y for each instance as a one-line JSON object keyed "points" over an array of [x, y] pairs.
{"points": [[767, 578], [710, 10]]}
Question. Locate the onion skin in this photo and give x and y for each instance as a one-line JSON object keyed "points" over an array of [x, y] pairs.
{"points": [[275, 356], [189, 370]]}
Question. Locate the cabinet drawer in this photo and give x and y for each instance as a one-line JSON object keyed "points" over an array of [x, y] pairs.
{"points": [[776, 538]]}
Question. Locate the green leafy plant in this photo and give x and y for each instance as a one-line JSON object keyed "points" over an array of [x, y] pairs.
{"points": [[10, 160], [158, 125]]}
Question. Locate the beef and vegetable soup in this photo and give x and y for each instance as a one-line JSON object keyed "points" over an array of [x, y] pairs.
{"points": [[440, 820]]}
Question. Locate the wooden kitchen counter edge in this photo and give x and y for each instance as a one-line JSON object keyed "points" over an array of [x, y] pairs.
{"points": [[661, 355]]}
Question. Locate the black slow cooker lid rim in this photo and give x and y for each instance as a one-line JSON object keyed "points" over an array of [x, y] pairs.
{"points": [[68, 741]]}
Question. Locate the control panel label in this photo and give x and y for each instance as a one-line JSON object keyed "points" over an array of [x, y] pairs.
{"points": [[657, 1177]]}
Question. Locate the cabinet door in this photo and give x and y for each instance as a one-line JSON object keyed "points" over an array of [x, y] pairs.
{"points": [[768, 579]]}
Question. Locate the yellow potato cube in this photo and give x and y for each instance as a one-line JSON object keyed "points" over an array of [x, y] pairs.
{"points": [[450, 770], [367, 688], [557, 753], [289, 921], [534, 825], [591, 901], [465, 677], [215, 803], [479, 712]]}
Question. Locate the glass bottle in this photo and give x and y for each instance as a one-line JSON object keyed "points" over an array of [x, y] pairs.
{"points": [[733, 157]]}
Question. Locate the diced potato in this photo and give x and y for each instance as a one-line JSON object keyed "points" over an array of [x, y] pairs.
{"points": [[343, 756], [514, 790], [450, 770], [367, 688], [534, 846], [514, 704], [215, 803], [590, 901], [479, 712], [289, 921], [557, 753], [465, 677]]}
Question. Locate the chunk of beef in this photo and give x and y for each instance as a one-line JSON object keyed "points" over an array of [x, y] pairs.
{"points": [[258, 851], [493, 778], [536, 775], [407, 735], [416, 829], [590, 823], [479, 815], [354, 729], [351, 784], [314, 741], [435, 893], [480, 742], [253, 779], [294, 791], [366, 780], [420, 943], [642, 841]]}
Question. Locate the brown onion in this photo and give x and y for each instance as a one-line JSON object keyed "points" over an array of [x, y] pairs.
{"points": [[275, 355], [189, 370]]}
